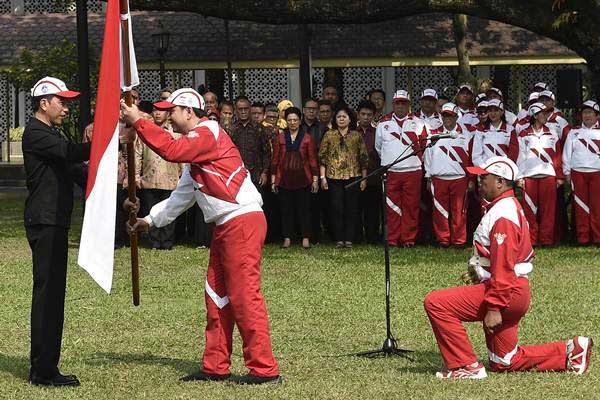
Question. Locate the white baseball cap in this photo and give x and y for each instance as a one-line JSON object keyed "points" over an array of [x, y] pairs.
{"points": [[450, 108], [401, 95], [482, 104], [495, 90], [55, 86], [541, 86], [496, 103], [185, 97], [536, 108], [480, 97], [591, 104], [548, 93], [533, 96], [465, 86], [500, 166], [429, 93]]}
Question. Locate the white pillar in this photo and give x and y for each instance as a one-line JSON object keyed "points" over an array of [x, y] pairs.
{"points": [[294, 86]]}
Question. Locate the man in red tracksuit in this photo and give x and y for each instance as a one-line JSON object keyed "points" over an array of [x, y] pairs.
{"points": [[502, 255], [216, 179]]}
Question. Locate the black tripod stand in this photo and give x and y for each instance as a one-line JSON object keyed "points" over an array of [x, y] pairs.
{"points": [[390, 345]]}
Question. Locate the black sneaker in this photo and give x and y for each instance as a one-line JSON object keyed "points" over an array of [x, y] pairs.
{"points": [[203, 376], [57, 379], [257, 380]]}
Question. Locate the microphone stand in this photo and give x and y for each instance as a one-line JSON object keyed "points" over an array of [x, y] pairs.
{"points": [[390, 345]]}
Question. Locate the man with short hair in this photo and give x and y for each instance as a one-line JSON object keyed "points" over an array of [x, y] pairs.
{"points": [[214, 176], [226, 115], [377, 97], [428, 113], [500, 298], [257, 111], [465, 100], [51, 164], [310, 121], [252, 142], [400, 133], [164, 94], [325, 114], [330, 93], [212, 101]]}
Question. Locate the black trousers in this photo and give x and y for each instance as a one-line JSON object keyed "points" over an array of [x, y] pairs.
{"points": [[49, 248], [295, 210], [343, 209], [369, 214], [272, 213], [202, 232], [160, 238]]}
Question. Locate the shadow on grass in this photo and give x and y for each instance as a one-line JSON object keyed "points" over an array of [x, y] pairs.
{"points": [[185, 366], [17, 366]]}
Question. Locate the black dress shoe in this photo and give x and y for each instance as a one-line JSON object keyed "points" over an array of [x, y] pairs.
{"points": [[203, 376], [257, 380], [55, 380]]}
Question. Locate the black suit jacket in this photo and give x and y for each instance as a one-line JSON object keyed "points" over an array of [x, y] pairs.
{"points": [[52, 165]]}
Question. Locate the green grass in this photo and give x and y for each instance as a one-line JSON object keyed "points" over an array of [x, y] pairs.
{"points": [[322, 304]]}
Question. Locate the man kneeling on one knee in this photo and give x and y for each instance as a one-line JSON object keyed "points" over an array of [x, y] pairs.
{"points": [[501, 261]]}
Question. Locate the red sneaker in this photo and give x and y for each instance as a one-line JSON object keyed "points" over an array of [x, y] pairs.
{"points": [[467, 372], [579, 352]]}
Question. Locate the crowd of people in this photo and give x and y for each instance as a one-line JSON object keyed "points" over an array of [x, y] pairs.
{"points": [[301, 158]]}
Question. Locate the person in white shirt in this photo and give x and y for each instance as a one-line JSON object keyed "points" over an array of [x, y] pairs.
{"points": [[523, 115], [555, 119], [540, 169], [465, 100], [428, 113], [445, 162], [581, 166], [496, 94], [398, 134], [495, 137]]}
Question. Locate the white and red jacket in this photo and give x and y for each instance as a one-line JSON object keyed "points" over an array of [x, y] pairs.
{"points": [[502, 249], [467, 117], [560, 125], [492, 141], [395, 136], [433, 121], [448, 158], [539, 153], [510, 116], [581, 151], [214, 176]]}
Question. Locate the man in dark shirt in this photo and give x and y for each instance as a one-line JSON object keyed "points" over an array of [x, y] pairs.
{"points": [[252, 142], [52, 164]]}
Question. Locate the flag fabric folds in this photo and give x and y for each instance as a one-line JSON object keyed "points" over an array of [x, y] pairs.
{"points": [[96, 249]]}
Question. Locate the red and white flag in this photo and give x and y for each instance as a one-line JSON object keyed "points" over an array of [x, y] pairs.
{"points": [[96, 249]]}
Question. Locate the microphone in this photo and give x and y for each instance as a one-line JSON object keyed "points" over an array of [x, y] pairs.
{"points": [[448, 135]]}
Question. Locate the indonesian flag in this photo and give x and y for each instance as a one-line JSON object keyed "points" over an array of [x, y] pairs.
{"points": [[96, 250]]}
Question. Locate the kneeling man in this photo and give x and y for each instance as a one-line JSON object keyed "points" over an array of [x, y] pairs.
{"points": [[501, 260]]}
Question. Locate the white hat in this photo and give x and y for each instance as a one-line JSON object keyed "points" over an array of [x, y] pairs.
{"points": [[536, 108], [482, 104], [496, 103], [401, 95], [533, 96], [495, 90], [429, 93], [591, 104], [480, 97], [465, 86], [548, 93], [541, 86], [450, 108], [185, 97], [50, 85], [500, 166]]}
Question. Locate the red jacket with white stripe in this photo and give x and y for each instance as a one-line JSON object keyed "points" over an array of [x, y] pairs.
{"points": [[581, 151], [448, 158], [491, 142], [395, 136], [539, 153], [215, 176], [502, 249]]}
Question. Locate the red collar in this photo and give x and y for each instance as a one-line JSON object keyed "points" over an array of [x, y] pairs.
{"points": [[508, 193]]}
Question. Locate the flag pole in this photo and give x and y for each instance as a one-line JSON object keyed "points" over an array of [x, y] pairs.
{"points": [[133, 237]]}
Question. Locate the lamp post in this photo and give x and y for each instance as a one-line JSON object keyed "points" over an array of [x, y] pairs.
{"points": [[161, 43]]}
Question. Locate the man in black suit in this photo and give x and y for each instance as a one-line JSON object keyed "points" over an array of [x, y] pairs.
{"points": [[52, 165]]}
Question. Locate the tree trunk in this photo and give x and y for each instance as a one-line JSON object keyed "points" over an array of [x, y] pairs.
{"points": [[459, 25]]}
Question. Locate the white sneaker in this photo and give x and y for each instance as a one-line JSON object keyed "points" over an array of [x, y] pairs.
{"points": [[579, 352], [467, 372]]}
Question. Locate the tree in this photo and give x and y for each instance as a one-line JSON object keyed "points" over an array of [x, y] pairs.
{"points": [[572, 23], [459, 24], [32, 66]]}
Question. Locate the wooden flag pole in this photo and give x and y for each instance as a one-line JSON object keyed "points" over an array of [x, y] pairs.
{"points": [[133, 237]]}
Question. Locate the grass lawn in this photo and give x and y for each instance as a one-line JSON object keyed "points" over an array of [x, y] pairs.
{"points": [[322, 304]]}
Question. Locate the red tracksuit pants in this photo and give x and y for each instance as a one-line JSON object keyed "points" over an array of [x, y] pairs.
{"points": [[449, 210], [539, 205], [402, 206], [448, 308], [586, 204], [233, 296]]}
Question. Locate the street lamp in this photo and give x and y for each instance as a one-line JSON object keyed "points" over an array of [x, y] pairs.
{"points": [[161, 43]]}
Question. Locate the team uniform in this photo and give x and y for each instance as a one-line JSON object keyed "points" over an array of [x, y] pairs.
{"points": [[581, 160], [395, 137], [467, 117], [215, 178], [539, 164], [492, 142], [432, 122], [444, 163]]}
